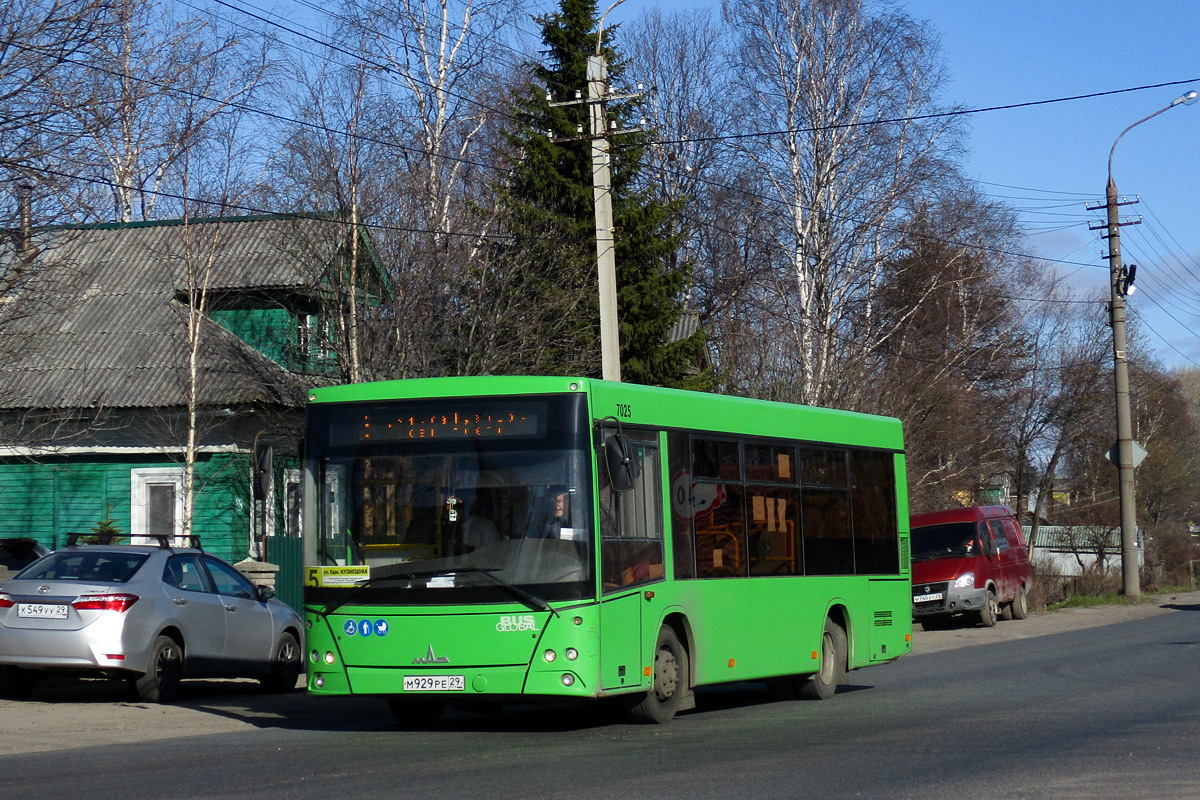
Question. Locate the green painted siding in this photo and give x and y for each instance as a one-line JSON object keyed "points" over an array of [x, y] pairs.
{"points": [[70, 494], [271, 331]]}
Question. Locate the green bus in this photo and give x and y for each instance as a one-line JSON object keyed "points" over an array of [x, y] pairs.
{"points": [[491, 539]]}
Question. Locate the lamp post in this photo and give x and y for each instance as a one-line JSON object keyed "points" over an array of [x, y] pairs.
{"points": [[1117, 290]]}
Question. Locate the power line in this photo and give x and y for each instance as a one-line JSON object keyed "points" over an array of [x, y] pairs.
{"points": [[921, 117]]}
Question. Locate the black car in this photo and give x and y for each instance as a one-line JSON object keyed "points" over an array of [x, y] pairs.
{"points": [[18, 553]]}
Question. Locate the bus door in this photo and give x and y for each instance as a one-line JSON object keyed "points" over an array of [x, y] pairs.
{"points": [[631, 556]]}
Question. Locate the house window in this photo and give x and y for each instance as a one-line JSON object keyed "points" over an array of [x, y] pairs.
{"points": [[156, 505], [292, 500], [314, 339]]}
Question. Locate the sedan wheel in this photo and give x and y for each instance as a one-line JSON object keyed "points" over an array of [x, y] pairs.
{"points": [[286, 668], [160, 682]]}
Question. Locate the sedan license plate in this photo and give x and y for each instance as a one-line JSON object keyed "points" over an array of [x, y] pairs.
{"points": [[434, 683], [42, 610], [927, 598]]}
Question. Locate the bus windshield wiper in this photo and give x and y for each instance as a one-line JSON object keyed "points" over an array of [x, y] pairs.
{"points": [[517, 591], [528, 597]]}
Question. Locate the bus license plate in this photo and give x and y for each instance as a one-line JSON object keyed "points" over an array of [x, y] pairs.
{"points": [[434, 683], [42, 610], [926, 598]]}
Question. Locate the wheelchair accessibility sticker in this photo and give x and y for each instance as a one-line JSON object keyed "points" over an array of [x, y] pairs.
{"points": [[365, 627]]}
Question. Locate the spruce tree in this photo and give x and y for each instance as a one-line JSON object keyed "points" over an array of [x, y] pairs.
{"points": [[550, 190]]}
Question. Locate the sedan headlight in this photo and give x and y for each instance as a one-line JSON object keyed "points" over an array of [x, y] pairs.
{"points": [[965, 581]]}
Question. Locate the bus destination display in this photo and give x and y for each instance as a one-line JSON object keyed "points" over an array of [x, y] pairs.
{"points": [[492, 423]]}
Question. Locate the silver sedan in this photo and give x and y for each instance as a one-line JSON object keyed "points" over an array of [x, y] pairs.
{"points": [[151, 615]]}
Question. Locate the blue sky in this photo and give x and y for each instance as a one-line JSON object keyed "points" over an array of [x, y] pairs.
{"points": [[1056, 155], [1050, 161]]}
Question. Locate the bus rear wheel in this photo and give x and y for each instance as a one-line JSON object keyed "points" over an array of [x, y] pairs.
{"points": [[670, 681], [823, 683]]}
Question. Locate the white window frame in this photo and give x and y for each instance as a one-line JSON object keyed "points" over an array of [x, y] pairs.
{"points": [[140, 481]]}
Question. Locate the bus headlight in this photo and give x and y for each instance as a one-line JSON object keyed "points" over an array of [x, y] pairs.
{"points": [[328, 656], [572, 654], [550, 655], [965, 581], [568, 679]]}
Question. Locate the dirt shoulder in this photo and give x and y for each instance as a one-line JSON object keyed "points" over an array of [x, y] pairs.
{"points": [[65, 714], [1049, 622]]}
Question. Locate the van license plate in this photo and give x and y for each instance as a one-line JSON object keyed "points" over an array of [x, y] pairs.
{"points": [[927, 598], [42, 610], [434, 683]]}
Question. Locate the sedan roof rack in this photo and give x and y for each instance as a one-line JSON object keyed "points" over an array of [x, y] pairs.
{"points": [[163, 540], [94, 538]]}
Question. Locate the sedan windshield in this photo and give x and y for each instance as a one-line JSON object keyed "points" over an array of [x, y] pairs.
{"points": [[952, 540], [458, 518]]}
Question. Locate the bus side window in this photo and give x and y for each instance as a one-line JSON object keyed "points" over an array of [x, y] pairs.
{"points": [[631, 531], [873, 492], [825, 516], [679, 470]]}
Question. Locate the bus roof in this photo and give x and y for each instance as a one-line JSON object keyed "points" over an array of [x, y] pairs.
{"points": [[635, 404]]}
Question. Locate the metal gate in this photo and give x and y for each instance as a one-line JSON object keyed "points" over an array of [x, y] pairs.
{"points": [[288, 553]]}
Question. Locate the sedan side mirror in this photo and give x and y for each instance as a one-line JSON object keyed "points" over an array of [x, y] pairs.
{"points": [[265, 593]]}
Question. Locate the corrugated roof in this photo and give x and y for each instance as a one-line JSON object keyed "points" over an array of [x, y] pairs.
{"points": [[95, 320]]}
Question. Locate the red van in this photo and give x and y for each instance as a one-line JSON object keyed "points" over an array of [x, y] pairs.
{"points": [[971, 563]]}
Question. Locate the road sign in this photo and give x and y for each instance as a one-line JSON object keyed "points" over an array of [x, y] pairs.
{"points": [[1139, 454]]}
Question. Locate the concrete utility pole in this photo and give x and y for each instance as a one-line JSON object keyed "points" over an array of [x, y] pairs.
{"points": [[1119, 286], [606, 262]]}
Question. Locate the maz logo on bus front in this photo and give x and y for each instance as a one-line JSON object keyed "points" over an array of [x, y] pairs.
{"points": [[431, 658], [511, 622]]}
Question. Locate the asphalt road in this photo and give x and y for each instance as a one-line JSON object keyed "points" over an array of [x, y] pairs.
{"points": [[1096, 703]]}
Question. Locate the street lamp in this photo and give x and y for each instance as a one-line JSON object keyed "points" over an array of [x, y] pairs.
{"points": [[1118, 288]]}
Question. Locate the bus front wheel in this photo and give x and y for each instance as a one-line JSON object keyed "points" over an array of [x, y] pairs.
{"points": [[670, 675], [823, 683]]}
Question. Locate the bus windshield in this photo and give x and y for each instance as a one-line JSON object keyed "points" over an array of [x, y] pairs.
{"points": [[456, 500]]}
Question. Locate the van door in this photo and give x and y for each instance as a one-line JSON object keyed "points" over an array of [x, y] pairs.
{"points": [[1003, 561], [1019, 559]]}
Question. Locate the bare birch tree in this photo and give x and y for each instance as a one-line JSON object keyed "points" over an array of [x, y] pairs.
{"points": [[38, 40], [146, 97], [836, 94]]}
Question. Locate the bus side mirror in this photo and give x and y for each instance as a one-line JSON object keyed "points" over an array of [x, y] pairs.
{"points": [[618, 456]]}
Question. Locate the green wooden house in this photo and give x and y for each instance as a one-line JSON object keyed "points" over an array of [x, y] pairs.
{"points": [[94, 378]]}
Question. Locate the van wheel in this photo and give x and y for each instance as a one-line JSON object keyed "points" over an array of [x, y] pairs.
{"points": [[990, 610], [824, 681], [1020, 606], [670, 681]]}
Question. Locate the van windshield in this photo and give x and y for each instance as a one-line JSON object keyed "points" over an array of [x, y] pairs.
{"points": [[951, 540]]}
